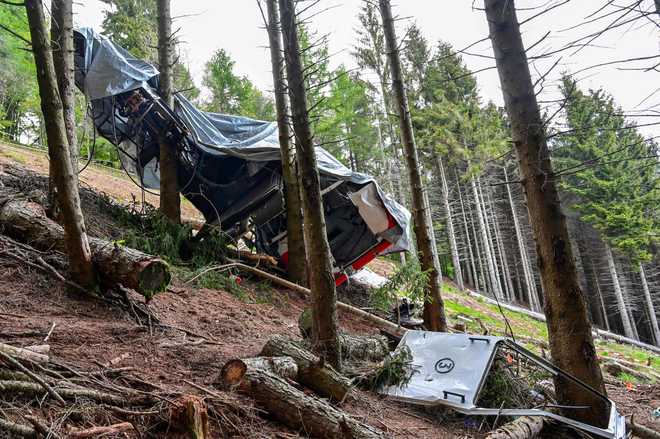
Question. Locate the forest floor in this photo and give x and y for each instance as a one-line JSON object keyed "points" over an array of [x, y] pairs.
{"points": [[236, 323]]}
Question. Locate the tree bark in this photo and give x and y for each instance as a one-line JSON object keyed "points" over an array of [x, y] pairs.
{"points": [[524, 427], [75, 237], [312, 372], [233, 371], [618, 293], [434, 308], [532, 295], [322, 282], [295, 240], [499, 291], [571, 343], [490, 261], [475, 275], [650, 309], [26, 221], [61, 34], [292, 407], [456, 261], [170, 200]]}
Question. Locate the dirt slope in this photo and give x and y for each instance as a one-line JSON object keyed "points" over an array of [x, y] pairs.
{"points": [[89, 333]]}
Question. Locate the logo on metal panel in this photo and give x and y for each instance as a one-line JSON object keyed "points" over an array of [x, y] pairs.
{"points": [[444, 365]]}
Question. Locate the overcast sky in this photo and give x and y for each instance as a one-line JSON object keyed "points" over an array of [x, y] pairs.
{"points": [[237, 27]]}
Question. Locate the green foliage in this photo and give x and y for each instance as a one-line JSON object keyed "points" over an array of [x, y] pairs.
{"points": [[19, 96], [408, 281], [397, 370], [152, 233], [133, 24], [232, 94], [610, 171], [346, 128]]}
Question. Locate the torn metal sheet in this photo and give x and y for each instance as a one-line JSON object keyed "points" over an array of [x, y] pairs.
{"points": [[229, 167], [451, 370]]}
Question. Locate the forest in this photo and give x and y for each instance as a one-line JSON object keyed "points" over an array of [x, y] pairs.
{"points": [[196, 244]]}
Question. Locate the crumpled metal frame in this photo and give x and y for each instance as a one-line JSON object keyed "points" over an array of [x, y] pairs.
{"points": [[464, 403]]}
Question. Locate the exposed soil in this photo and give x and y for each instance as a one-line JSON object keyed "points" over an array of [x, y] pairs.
{"points": [[90, 332]]}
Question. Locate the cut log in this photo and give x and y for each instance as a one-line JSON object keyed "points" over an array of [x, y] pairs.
{"points": [[525, 427], [27, 222], [24, 353], [234, 370], [313, 416], [353, 347], [312, 373], [188, 414]]}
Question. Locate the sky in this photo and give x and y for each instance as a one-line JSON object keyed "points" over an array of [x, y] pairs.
{"points": [[237, 26]]}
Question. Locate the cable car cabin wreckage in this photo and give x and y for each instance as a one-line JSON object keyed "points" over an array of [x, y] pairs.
{"points": [[229, 167]]}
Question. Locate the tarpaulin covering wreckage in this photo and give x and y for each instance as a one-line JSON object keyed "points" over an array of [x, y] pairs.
{"points": [[229, 166], [450, 370]]}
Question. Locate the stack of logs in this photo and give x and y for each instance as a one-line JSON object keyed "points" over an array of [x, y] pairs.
{"points": [[275, 380]]}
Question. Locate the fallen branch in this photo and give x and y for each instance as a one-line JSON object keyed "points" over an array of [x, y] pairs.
{"points": [[17, 429], [122, 427], [641, 431], [11, 360], [67, 393], [23, 353], [615, 369], [384, 325]]}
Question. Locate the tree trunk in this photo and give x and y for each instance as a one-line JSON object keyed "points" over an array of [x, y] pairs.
{"points": [[618, 293], [75, 236], [650, 309], [233, 371], [600, 297], [508, 285], [475, 275], [61, 34], [434, 308], [322, 282], [26, 221], [524, 427], [530, 284], [292, 407], [571, 343], [456, 261], [490, 261], [489, 240], [170, 201], [312, 373], [295, 241]]}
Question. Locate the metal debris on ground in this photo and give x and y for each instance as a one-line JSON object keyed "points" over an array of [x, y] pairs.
{"points": [[452, 370]]}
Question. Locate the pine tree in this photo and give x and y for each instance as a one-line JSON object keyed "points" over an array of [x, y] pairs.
{"points": [[297, 262], [571, 343], [322, 283], [81, 269], [434, 312]]}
